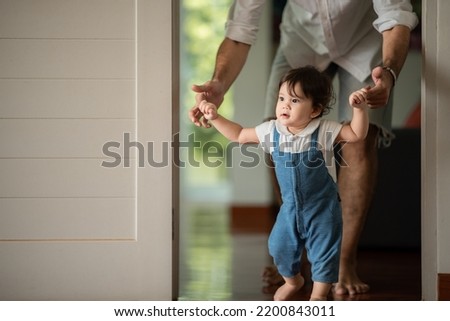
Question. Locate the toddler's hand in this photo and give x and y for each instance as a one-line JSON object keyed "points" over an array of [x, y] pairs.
{"points": [[358, 99], [208, 109]]}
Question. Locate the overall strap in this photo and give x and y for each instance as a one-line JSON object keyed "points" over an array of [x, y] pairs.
{"points": [[276, 138], [315, 137]]}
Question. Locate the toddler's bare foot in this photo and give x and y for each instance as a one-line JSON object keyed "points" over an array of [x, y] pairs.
{"points": [[288, 289]]}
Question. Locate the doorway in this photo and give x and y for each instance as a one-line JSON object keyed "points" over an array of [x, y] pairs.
{"points": [[206, 208]]}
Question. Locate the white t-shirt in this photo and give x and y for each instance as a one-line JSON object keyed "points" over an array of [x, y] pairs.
{"points": [[300, 142]]}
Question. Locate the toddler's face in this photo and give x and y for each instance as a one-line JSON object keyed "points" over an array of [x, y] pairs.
{"points": [[293, 109]]}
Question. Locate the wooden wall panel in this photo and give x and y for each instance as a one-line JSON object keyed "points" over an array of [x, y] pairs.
{"points": [[64, 138], [65, 178], [55, 58], [72, 219], [67, 98], [95, 19]]}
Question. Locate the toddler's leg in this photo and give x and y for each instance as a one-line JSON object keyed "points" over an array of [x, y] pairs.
{"points": [[289, 288], [320, 291]]}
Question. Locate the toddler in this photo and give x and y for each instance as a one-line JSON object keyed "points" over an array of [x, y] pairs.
{"points": [[310, 214]]}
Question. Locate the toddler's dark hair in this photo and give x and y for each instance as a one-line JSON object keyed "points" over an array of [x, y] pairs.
{"points": [[316, 85]]}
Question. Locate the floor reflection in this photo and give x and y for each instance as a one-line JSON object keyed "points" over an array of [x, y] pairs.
{"points": [[218, 265], [206, 253]]}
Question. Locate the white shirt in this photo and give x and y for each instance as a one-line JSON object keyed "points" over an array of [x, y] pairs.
{"points": [[318, 32], [300, 142]]}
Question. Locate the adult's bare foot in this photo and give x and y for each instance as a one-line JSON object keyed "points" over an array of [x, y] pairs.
{"points": [[349, 283]]}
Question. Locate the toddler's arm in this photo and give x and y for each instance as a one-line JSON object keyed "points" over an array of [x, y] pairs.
{"points": [[358, 127], [226, 127]]}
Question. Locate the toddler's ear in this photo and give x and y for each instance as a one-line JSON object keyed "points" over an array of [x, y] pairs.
{"points": [[317, 111]]}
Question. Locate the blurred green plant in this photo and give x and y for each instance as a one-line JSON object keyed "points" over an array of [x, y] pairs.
{"points": [[202, 28]]}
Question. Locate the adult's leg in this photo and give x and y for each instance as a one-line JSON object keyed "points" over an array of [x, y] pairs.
{"points": [[356, 183], [356, 180]]}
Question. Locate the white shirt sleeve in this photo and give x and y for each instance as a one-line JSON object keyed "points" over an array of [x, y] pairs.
{"points": [[243, 20], [394, 12], [264, 133]]}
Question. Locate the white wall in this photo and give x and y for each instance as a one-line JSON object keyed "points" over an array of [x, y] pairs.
{"points": [[435, 145]]}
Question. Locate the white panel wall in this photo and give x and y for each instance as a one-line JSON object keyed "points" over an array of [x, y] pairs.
{"points": [[67, 86]]}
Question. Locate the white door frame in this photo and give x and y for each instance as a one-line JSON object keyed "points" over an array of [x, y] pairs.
{"points": [[435, 145]]}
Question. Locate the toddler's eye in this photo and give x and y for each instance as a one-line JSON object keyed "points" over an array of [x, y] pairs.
{"points": [[281, 98], [295, 100]]}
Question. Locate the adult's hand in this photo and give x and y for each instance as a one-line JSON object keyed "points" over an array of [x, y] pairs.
{"points": [[378, 95], [211, 91]]}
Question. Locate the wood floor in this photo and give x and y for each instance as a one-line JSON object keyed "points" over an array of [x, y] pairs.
{"points": [[217, 264], [392, 276]]}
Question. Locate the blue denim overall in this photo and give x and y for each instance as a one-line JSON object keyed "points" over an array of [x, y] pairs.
{"points": [[310, 216]]}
